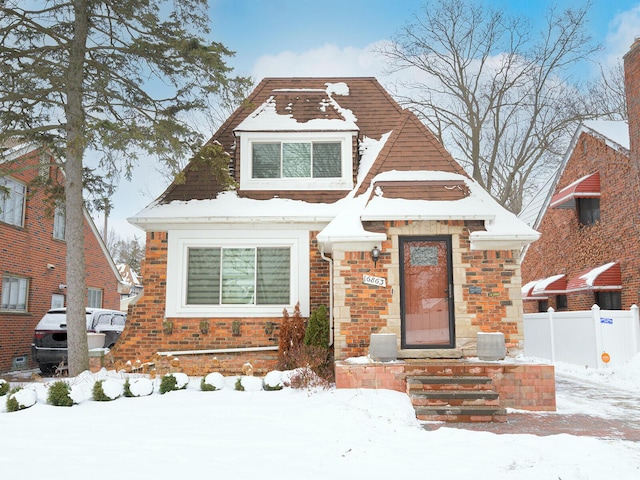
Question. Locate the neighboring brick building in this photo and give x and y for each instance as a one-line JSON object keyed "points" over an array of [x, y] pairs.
{"points": [[589, 251], [33, 254], [343, 199]]}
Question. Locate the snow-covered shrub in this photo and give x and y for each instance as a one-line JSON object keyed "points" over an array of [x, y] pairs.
{"points": [[173, 381], [214, 381], [106, 390], [138, 387], [207, 387], [250, 383], [19, 399], [239, 385], [4, 387], [273, 380], [60, 394]]}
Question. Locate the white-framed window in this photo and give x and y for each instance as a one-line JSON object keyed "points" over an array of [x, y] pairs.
{"points": [[237, 273], [14, 293], [45, 163], [59, 223], [57, 300], [94, 298], [12, 201], [232, 276], [296, 161]]}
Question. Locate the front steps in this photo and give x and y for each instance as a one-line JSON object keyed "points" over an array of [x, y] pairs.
{"points": [[455, 398]]}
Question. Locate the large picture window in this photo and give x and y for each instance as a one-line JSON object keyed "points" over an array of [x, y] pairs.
{"points": [[14, 293], [239, 276], [297, 160], [12, 199]]}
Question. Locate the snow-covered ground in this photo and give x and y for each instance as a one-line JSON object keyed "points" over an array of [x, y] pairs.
{"points": [[301, 434]]}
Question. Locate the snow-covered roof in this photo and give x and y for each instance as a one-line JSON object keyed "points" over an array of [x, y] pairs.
{"points": [[436, 186], [612, 131], [265, 118]]}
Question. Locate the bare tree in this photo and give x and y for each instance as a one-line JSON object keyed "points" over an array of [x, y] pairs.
{"points": [[607, 95], [501, 100], [118, 78]]}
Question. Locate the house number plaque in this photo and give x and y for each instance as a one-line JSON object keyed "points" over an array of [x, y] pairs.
{"points": [[371, 280]]}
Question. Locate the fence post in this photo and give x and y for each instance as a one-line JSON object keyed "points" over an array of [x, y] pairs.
{"points": [[635, 326], [599, 347], [552, 336]]}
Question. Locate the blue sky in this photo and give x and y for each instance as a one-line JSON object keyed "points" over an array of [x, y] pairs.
{"points": [[335, 37]]}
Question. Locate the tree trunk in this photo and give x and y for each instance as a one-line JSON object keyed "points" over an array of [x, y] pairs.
{"points": [[76, 287]]}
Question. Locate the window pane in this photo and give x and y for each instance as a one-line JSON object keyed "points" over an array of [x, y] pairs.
{"points": [[203, 277], [326, 160], [273, 276], [95, 298], [12, 202], [14, 293], [266, 160], [589, 210], [296, 160], [238, 275], [58, 223]]}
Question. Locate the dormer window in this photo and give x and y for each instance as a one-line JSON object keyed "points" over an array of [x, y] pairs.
{"points": [[296, 161]]}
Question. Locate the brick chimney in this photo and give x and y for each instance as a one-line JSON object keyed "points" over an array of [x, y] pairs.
{"points": [[632, 87]]}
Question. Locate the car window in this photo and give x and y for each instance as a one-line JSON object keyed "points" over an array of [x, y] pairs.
{"points": [[118, 320], [102, 320]]}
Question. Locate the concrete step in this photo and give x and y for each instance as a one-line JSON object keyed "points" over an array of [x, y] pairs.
{"points": [[447, 413]]}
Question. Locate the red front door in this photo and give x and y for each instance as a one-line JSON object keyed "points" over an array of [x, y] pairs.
{"points": [[426, 291]]}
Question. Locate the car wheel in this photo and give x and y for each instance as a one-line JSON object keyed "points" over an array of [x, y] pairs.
{"points": [[48, 368]]}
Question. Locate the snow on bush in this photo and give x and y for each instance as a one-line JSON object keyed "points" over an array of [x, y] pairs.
{"points": [[4, 387], [21, 398], [273, 380], [250, 383], [138, 387], [216, 380], [106, 390]]}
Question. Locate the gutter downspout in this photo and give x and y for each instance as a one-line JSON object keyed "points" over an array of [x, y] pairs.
{"points": [[330, 260]]}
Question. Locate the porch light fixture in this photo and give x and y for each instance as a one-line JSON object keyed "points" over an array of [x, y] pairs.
{"points": [[375, 255]]}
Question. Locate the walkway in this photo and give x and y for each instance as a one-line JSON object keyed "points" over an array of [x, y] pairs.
{"points": [[583, 409]]}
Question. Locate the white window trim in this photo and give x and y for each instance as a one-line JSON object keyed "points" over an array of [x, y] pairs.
{"points": [[96, 290], [177, 262], [26, 293], [59, 219], [246, 165], [9, 183]]}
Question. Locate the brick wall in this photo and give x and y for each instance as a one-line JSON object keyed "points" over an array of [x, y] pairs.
{"points": [[361, 310], [145, 334], [26, 251], [632, 87], [565, 247]]}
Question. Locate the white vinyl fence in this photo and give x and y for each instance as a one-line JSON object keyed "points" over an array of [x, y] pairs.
{"points": [[595, 338]]}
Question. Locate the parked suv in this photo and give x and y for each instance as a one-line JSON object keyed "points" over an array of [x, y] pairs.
{"points": [[49, 347]]}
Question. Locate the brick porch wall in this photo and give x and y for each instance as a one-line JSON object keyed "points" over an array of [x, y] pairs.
{"points": [[520, 386], [361, 310]]}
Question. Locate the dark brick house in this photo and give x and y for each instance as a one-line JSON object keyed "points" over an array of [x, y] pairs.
{"points": [[33, 254], [589, 251], [343, 199]]}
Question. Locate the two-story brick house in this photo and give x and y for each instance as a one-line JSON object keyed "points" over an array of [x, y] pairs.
{"points": [[33, 253], [590, 224], [343, 199]]}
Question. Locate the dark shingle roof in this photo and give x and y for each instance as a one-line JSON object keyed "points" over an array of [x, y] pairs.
{"points": [[411, 146]]}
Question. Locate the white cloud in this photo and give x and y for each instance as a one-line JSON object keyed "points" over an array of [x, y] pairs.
{"points": [[325, 61], [623, 29]]}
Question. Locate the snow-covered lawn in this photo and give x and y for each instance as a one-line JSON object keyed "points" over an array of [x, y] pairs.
{"points": [[297, 434]]}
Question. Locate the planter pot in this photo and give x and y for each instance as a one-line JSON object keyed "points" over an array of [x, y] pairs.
{"points": [[491, 346], [95, 340], [383, 347]]}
